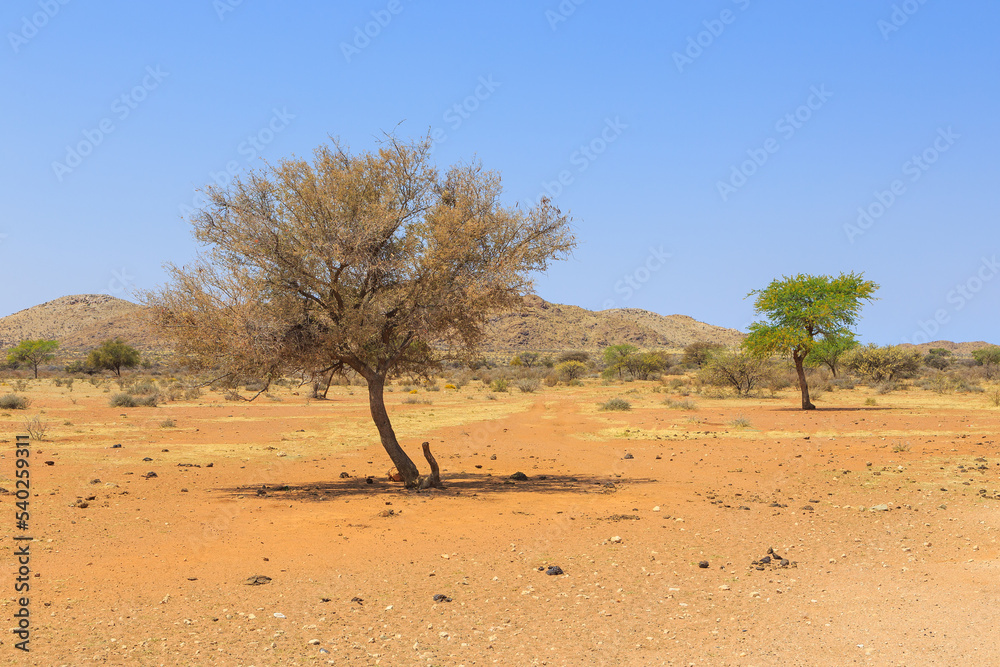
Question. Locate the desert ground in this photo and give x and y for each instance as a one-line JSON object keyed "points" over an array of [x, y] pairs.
{"points": [[886, 516]]}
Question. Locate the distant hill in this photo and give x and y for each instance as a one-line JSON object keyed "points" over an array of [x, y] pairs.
{"points": [[957, 349], [80, 323], [540, 325]]}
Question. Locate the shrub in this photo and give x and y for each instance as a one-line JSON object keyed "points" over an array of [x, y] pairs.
{"points": [[451, 386], [499, 385], [551, 380], [14, 402], [740, 422], [700, 352], [742, 371], [36, 428], [870, 401], [686, 404], [143, 388], [127, 400], [168, 423], [995, 398], [900, 446], [412, 400], [579, 356], [877, 364], [528, 385], [619, 404], [938, 357], [571, 369]]}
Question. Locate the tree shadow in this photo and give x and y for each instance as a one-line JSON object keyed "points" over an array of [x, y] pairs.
{"points": [[860, 408], [456, 484]]}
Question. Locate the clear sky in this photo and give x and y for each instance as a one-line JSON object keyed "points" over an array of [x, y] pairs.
{"points": [[703, 148]]}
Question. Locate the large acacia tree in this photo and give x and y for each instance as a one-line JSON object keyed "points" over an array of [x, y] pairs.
{"points": [[801, 308], [364, 262]]}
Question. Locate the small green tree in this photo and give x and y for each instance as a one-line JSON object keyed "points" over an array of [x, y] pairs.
{"points": [[114, 355], [32, 353], [615, 357], [988, 358], [829, 351], [642, 365], [700, 352], [529, 359], [800, 308]]}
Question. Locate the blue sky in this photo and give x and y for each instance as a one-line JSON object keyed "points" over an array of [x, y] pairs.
{"points": [[703, 149]]}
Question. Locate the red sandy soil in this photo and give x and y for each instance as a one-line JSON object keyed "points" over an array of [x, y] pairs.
{"points": [[154, 570]]}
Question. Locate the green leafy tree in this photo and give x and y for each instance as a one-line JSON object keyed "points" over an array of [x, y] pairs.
{"points": [[829, 351], [114, 355], [797, 309], [529, 359], [642, 365], [32, 353], [738, 369], [355, 264], [615, 356], [986, 356]]}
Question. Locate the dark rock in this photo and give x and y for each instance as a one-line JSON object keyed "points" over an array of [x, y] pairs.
{"points": [[258, 580], [95, 481], [344, 475], [440, 597], [519, 476], [357, 599], [50, 463], [807, 508], [765, 560], [118, 446], [784, 562], [147, 459], [554, 570], [150, 474], [369, 480], [493, 458], [629, 456], [703, 564]]}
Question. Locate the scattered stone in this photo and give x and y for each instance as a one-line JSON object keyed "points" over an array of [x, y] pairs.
{"points": [[357, 599], [656, 509], [616, 539], [258, 580], [785, 562], [703, 564], [344, 475], [50, 463], [519, 476], [724, 587], [765, 560], [150, 475], [147, 459], [493, 457], [278, 614], [554, 570], [807, 508], [118, 446], [95, 481], [628, 457], [440, 597], [164, 450], [369, 480], [880, 508], [314, 642]]}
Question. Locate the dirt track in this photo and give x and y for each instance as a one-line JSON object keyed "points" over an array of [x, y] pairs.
{"points": [[154, 570]]}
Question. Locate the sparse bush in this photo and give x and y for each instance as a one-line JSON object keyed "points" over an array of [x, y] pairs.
{"points": [[412, 400], [36, 427], [618, 404], [995, 398], [579, 356], [938, 358], [680, 405], [143, 388], [870, 401], [900, 446], [885, 387], [499, 385], [528, 385], [168, 423], [742, 371], [551, 380], [14, 402]]}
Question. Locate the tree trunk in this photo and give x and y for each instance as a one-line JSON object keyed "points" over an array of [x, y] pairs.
{"points": [[407, 469], [801, 371]]}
